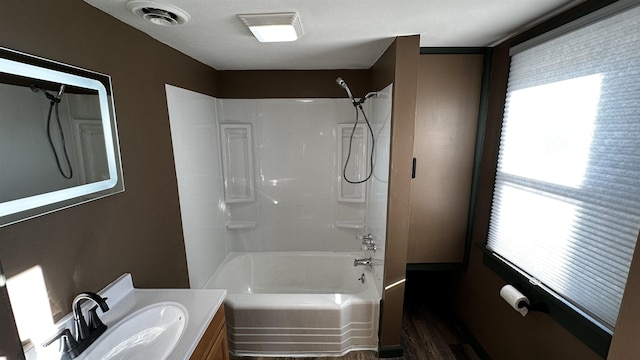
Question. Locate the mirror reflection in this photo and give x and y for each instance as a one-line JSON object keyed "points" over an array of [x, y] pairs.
{"points": [[49, 139], [58, 142]]}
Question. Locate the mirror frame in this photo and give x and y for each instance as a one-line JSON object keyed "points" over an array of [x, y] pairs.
{"points": [[21, 64]]}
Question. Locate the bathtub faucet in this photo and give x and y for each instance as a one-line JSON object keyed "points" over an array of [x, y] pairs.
{"points": [[366, 239], [368, 242], [368, 261]]}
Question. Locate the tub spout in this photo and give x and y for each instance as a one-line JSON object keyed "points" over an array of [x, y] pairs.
{"points": [[366, 261]]}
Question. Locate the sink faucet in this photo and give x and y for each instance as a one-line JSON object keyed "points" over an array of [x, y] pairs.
{"points": [[86, 334], [82, 329]]}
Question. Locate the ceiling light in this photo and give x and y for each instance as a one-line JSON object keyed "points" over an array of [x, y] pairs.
{"points": [[277, 27], [158, 13]]}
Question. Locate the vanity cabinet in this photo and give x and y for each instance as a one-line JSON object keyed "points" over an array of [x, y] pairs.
{"points": [[213, 345], [448, 99]]}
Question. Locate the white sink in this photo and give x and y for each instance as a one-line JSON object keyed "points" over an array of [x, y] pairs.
{"points": [[150, 333]]}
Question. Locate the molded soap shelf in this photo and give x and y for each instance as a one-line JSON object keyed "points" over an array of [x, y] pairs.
{"points": [[350, 224], [241, 224]]}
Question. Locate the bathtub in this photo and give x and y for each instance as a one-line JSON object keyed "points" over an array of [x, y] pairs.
{"points": [[298, 303]]}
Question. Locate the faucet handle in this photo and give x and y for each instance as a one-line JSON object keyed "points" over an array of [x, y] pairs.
{"points": [[369, 247], [94, 321], [365, 237], [67, 342]]}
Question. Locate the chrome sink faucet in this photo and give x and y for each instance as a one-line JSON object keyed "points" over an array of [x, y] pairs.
{"points": [[86, 333]]}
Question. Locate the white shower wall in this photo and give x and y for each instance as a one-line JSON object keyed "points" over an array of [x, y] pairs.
{"points": [[296, 170], [296, 167], [194, 133]]}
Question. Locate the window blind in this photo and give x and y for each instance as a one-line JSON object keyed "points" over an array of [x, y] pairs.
{"points": [[566, 205]]}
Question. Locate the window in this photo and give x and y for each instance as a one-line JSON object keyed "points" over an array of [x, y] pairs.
{"points": [[566, 206]]}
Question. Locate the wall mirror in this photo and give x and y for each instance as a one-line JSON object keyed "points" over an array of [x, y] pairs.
{"points": [[58, 137]]}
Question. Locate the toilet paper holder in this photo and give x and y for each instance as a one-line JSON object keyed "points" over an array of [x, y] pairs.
{"points": [[514, 295]]}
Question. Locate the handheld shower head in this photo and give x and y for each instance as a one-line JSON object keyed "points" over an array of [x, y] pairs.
{"points": [[59, 96], [49, 96], [344, 85]]}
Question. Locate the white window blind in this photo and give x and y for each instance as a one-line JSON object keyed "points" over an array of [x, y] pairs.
{"points": [[566, 206]]}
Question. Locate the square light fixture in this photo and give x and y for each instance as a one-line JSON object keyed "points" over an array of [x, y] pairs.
{"points": [[275, 27]]}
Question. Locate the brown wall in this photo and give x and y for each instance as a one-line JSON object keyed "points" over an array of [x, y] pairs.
{"points": [[399, 64], [502, 332], [292, 84], [445, 132], [139, 231]]}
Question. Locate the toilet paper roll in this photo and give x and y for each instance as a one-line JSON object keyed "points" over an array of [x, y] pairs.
{"points": [[515, 298]]}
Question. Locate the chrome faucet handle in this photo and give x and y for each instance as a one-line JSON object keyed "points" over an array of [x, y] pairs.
{"points": [[369, 247], [365, 237], [67, 342], [368, 242]]}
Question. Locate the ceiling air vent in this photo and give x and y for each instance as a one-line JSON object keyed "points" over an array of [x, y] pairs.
{"points": [[158, 13]]}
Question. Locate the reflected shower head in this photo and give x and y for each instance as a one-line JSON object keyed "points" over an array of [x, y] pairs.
{"points": [[59, 96], [344, 85]]}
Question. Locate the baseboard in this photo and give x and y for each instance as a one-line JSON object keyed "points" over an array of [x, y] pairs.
{"points": [[392, 351], [473, 342]]}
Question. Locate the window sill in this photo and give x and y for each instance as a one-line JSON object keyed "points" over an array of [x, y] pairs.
{"points": [[592, 334]]}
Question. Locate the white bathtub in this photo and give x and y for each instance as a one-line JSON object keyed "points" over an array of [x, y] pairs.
{"points": [[298, 303]]}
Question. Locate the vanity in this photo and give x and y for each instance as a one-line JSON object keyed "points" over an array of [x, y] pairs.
{"points": [[213, 344], [171, 324]]}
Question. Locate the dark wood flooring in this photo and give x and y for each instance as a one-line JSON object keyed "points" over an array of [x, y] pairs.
{"points": [[429, 333]]}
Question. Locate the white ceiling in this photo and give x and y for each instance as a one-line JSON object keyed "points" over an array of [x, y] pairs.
{"points": [[338, 34]]}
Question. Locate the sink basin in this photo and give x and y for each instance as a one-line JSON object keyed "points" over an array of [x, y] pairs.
{"points": [[149, 333]]}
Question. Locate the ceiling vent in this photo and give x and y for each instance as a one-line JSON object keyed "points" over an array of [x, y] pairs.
{"points": [[158, 13]]}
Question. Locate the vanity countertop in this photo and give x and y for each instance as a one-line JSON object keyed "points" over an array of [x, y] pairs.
{"points": [[124, 299]]}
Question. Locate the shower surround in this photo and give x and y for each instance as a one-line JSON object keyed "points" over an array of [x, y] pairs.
{"points": [[297, 173]]}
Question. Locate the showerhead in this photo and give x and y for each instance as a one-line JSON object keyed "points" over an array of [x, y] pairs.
{"points": [[49, 96], [59, 96], [344, 85]]}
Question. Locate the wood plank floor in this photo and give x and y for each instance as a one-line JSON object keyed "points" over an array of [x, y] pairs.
{"points": [[431, 334], [427, 334]]}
